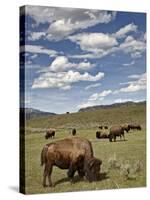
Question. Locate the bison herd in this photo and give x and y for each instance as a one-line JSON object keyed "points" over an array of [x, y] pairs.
{"points": [[116, 131], [76, 154]]}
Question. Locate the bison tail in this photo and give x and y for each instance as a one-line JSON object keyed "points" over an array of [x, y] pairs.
{"points": [[43, 155]]}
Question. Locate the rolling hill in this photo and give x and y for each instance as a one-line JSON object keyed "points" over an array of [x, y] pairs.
{"points": [[123, 113], [97, 107], [34, 113]]}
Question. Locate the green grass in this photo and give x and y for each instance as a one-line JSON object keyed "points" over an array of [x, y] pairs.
{"points": [[129, 151]]}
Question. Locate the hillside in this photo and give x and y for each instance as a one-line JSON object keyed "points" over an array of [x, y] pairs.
{"points": [[97, 107], [34, 113], [127, 113]]}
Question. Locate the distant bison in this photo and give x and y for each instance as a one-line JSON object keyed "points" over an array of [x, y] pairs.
{"points": [[135, 126], [74, 154], [98, 134], [100, 127], [101, 135], [73, 131], [50, 133], [126, 127], [116, 131]]}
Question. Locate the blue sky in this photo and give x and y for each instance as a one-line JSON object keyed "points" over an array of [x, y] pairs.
{"points": [[76, 58]]}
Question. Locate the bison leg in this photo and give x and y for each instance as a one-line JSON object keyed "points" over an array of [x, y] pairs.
{"points": [[45, 175], [81, 172], [47, 172], [49, 176], [71, 171], [123, 137]]}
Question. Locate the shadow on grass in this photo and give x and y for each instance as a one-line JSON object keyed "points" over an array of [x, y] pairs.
{"points": [[121, 140], [77, 178], [103, 176], [99, 140]]}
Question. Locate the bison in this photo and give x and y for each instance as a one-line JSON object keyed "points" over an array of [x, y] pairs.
{"points": [[103, 127], [98, 134], [114, 132], [101, 135], [73, 131], [135, 126], [126, 127], [74, 154], [50, 133]]}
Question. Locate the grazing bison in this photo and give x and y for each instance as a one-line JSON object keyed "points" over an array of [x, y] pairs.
{"points": [[101, 135], [135, 126], [73, 131], [74, 154], [126, 127], [98, 134], [100, 127], [114, 132], [50, 133], [104, 135]]}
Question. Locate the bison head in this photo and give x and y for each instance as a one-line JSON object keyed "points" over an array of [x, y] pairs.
{"points": [[127, 128], [92, 169], [98, 134], [110, 136], [46, 135]]}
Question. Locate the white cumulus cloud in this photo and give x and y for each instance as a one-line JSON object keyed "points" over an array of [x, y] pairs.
{"points": [[63, 80], [133, 46], [121, 33], [139, 83], [65, 21], [95, 99], [38, 49], [94, 42], [98, 45], [35, 35], [61, 63]]}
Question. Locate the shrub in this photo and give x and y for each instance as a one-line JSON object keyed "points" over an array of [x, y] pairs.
{"points": [[126, 169]]}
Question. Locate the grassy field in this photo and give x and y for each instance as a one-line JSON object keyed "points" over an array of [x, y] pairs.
{"points": [[128, 153]]}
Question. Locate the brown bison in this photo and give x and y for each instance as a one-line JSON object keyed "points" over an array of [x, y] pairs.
{"points": [[50, 133], [114, 132], [126, 127], [100, 127], [101, 135], [135, 126], [74, 154], [98, 134], [73, 131], [103, 127]]}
